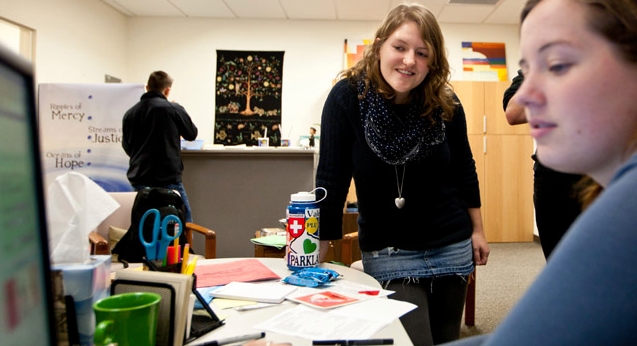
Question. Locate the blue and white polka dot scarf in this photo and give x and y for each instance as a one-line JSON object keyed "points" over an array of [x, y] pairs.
{"points": [[398, 139]]}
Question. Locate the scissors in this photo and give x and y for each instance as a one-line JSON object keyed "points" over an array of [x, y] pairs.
{"points": [[157, 246]]}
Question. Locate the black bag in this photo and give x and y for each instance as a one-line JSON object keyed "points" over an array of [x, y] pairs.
{"points": [[168, 202]]}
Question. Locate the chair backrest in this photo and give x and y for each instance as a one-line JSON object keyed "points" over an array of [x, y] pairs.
{"points": [[121, 217]]}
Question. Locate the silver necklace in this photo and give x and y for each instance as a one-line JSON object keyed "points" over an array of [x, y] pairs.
{"points": [[400, 201]]}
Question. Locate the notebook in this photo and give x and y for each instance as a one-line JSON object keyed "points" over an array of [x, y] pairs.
{"points": [[264, 292]]}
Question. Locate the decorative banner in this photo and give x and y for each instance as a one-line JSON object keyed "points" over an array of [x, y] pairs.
{"points": [[81, 131], [248, 97], [484, 61]]}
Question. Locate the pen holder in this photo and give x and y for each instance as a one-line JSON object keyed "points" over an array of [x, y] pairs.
{"points": [[172, 268]]}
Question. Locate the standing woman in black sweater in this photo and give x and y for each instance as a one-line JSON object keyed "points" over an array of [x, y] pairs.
{"points": [[394, 125]]}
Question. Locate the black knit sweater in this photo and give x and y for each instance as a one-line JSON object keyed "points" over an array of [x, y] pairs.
{"points": [[437, 190]]}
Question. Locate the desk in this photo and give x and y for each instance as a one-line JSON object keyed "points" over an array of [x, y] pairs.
{"points": [[238, 323]]}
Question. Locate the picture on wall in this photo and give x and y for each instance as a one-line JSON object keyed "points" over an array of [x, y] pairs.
{"points": [[248, 97], [353, 51], [484, 61]]}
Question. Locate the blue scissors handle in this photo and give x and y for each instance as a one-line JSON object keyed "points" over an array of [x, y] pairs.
{"points": [[158, 244], [166, 239]]}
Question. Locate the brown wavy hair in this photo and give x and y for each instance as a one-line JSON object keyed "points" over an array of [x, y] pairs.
{"points": [[614, 20], [587, 190], [434, 91]]}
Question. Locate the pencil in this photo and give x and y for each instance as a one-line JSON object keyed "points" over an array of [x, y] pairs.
{"points": [[191, 266], [185, 258], [177, 248]]}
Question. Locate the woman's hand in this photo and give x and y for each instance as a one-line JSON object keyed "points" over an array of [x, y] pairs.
{"points": [[480, 248], [478, 239]]}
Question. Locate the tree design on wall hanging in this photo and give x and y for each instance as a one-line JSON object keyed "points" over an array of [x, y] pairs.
{"points": [[248, 97]]}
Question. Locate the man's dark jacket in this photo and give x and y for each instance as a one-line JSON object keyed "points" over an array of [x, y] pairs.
{"points": [[151, 138]]}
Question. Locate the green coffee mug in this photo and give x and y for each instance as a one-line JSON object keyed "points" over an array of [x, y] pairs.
{"points": [[127, 319]]}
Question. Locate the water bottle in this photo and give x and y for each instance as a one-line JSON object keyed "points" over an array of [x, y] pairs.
{"points": [[303, 243]]}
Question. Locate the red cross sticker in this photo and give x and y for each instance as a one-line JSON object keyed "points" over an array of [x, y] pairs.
{"points": [[295, 226]]}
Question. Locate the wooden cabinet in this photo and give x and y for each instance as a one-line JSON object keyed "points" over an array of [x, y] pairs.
{"points": [[503, 159]]}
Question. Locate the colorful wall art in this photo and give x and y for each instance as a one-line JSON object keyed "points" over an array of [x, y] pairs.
{"points": [[484, 61], [248, 97], [353, 51]]}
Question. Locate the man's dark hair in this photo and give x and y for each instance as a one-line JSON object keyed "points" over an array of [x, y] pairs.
{"points": [[158, 81]]}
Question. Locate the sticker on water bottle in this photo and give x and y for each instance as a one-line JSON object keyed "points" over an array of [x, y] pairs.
{"points": [[303, 231], [303, 243]]}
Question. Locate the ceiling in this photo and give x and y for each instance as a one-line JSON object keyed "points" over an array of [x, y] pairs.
{"points": [[447, 11]]}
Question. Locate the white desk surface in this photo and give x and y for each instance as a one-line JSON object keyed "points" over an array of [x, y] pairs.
{"points": [[241, 322]]}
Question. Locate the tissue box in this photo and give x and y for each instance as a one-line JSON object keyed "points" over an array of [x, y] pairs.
{"points": [[86, 283]]}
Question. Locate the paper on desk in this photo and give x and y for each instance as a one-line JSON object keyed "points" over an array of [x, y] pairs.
{"points": [[223, 303], [254, 306], [277, 241], [220, 303], [191, 306], [244, 270], [265, 292], [357, 321], [350, 287], [204, 292]]}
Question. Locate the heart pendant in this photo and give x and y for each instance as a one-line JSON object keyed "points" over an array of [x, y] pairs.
{"points": [[400, 202]]}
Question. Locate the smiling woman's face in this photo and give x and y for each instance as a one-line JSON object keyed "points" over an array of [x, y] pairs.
{"points": [[580, 95], [404, 60]]}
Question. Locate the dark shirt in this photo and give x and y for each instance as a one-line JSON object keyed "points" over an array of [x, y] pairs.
{"points": [[151, 137], [437, 190], [510, 91]]}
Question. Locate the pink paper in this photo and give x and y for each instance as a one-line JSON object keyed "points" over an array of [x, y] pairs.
{"points": [[245, 270]]}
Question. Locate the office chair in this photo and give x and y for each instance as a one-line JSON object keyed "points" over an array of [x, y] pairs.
{"points": [[104, 237]]}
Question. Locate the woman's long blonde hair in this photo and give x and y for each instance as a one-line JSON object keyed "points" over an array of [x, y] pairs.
{"points": [[435, 90]]}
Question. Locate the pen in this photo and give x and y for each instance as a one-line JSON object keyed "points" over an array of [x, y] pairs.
{"points": [[233, 339], [354, 342]]}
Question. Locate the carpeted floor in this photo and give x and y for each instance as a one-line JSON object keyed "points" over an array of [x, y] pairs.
{"points": [[511, 269]]}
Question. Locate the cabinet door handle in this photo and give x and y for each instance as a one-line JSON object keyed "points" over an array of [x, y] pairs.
{"points": [[484, 145], [484, 124]]}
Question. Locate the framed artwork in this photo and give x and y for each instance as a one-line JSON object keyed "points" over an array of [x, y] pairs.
{"points": [[248, 97], [484, 61], [353, 51]]}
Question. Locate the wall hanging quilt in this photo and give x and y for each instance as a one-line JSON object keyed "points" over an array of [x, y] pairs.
{"points": [[248, 97]]}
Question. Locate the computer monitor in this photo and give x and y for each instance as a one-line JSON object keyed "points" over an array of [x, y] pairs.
{"points": [[26, 300]]}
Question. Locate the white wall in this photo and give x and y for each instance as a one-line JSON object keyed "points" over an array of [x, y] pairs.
{"points": [[78, 41], [186, 48], [10, 36]]}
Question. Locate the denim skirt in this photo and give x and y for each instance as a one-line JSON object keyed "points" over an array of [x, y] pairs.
{"points": [[393, 263]]}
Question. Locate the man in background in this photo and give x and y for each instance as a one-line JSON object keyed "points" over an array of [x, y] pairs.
{"points": [[555, 196], [152, 131]]}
